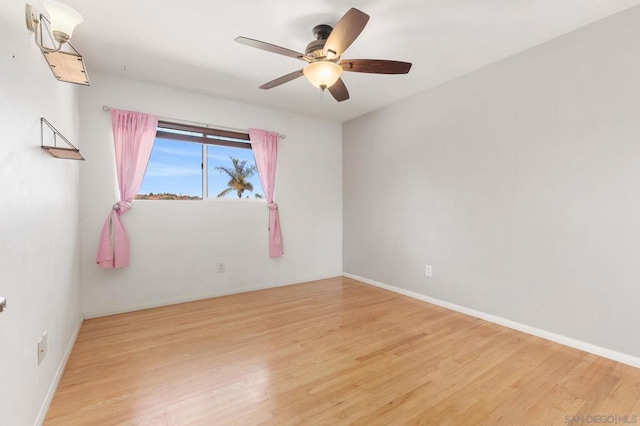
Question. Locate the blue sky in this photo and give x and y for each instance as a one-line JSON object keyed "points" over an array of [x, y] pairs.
{"points": [[174, 167]]}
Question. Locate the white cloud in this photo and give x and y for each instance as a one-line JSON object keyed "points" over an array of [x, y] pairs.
{"points": [[176, 151], [226, 160], [170, 170]]}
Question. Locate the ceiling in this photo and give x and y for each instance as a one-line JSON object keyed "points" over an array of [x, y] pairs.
{"points": [[189, 44]]}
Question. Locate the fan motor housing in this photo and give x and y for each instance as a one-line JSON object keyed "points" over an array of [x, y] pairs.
{"points": [[315, 48]]}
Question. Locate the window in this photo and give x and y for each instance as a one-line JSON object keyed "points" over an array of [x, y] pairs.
{"points": [[191, 163]]}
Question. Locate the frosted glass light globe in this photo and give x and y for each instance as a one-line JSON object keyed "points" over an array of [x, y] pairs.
{"points": [[63, 19], [323, 74]]}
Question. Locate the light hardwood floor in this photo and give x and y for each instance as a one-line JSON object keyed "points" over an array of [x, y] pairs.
{"points": [[329, 352]]}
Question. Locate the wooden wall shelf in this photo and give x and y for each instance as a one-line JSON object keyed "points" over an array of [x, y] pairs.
{"points": [[67, 153]]}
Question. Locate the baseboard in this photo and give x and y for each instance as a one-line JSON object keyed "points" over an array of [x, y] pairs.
{"points": [[56, 381], [190, 298], [563, 340]]}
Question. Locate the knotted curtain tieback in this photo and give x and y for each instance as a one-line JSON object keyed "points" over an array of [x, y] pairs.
{"points": [[122, 206]]}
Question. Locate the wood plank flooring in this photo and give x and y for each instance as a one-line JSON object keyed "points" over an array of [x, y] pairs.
{"points": [[329, 352]]}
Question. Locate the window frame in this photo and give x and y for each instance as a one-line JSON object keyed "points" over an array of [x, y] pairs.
{"points": [[214, 139], [205, 136]]}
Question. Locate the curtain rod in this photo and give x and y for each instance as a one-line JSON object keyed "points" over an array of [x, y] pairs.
{"points": [[107, 108]]}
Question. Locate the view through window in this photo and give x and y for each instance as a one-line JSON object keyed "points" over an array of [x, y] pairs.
{"points": [[192, 163]]}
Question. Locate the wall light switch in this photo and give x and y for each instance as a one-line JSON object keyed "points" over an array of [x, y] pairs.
{"points": [[42, 347]]}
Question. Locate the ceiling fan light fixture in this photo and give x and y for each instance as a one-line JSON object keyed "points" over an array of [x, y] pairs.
{"points": [[323, 74], [324, 67]]}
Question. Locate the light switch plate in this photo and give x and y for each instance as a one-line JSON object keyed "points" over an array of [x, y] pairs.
{"points": [[42, 347]]}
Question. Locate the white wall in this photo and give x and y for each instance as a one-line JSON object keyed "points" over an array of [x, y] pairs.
{"points": [[39, 231], [519, 183], [176, 245]]}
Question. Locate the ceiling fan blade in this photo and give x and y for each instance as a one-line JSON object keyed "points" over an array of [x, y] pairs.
{"points": [[269, 47], [345, 32], [339, 91], [281, 80], [375, 66]]}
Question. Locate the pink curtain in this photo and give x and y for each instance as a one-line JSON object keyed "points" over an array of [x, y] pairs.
{"points": [[133, 135], [265, 151]]}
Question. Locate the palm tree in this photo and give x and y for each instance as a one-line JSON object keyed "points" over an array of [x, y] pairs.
{"points": [[238, 177]]}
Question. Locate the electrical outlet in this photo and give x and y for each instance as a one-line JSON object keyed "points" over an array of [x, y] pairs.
{"points": [[42, 347], [428, 271], [220, 267]]}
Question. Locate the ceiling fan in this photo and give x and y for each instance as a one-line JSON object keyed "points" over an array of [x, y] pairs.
{"points": [[324, 66]]}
